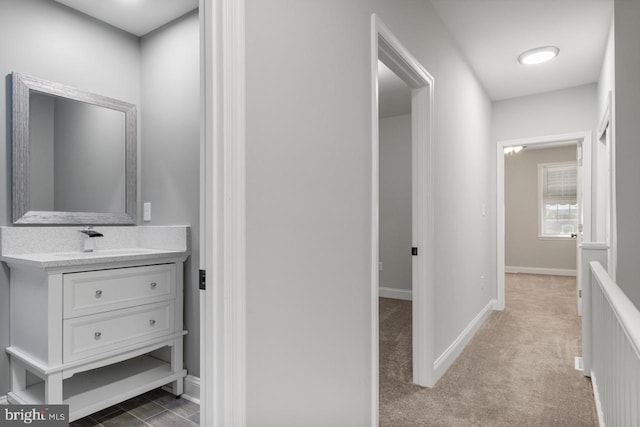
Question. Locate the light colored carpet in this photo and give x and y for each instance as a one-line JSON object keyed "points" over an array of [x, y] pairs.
{"points": [[517, 371]]}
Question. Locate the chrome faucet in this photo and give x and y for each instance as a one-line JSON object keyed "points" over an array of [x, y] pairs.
{"points": [[89, 233]]}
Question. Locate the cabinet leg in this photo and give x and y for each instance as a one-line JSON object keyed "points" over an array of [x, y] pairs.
{"points": [[18, 375], [53, 388], [177, 387]]}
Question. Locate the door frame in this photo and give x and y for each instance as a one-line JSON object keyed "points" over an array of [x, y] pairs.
{"points": [[386, 47], [605, 130], [584, 138], [222, 214]]}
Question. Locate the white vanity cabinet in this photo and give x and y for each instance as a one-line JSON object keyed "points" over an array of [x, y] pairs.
{"points": [[95, 330]]}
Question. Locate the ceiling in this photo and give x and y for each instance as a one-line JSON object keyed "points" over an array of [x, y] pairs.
{"points": [[492, 33], [137, 17]]}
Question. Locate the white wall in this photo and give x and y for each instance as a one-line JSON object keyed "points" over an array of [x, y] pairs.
{"points": [[44, 39], [170, 160], [308, 202], [627, 144], [523, 247], [395, 202], [606, 82], [551, 113]]}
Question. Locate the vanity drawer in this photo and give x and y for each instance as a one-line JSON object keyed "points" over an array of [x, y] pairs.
{"points": [[103, 290], [90, 335]]}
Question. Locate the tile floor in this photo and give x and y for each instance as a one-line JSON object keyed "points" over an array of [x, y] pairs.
{"points": [[157, 408]]}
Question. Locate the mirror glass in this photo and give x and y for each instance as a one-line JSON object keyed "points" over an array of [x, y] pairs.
{"points": [[75, 149], [74, 156]]}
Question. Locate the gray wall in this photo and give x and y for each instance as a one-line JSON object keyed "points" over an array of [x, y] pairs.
{"points": [[627, 136], [170, 115], [395, 202], [523, 248], [308, 202]]}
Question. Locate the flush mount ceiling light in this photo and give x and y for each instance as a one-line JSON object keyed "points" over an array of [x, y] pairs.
{"points": [[538, 55], [514, 150]]}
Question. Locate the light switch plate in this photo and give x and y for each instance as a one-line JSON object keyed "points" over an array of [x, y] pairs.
{"points": [[147, 211]]}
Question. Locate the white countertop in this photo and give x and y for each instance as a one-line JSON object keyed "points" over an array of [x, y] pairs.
{"points": [[64, 259], [60, 247]]}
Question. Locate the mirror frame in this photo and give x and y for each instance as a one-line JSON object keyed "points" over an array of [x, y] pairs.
{"points": [[22, 214]]}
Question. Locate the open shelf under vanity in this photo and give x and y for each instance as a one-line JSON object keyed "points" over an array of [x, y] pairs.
{"points": [[93, 390]]}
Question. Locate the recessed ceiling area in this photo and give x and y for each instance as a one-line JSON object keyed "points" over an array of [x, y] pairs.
{"points": [[137, 17], [492, 33]]}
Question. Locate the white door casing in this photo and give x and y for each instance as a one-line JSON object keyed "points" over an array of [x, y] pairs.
{"points": [[605, 190], [222, 214], [580, 189]]}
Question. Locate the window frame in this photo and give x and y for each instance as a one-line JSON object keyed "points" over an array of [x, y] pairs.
{"points": [[541, 167]]}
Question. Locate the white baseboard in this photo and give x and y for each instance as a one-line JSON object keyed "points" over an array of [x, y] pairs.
{"points": [[596, 397], [539, 270], [191, 389], [450, 355], [394, 293], [3, 400]]}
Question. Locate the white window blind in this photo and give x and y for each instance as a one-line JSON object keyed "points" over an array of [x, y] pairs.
{"points": [[558, 199]]}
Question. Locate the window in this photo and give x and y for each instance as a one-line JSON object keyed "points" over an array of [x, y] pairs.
{"points": [[558, 199]]}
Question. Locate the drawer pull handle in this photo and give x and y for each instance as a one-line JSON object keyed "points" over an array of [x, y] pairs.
{"points": [[98, 293], [97, 335], [153, 285], [152, 322]]}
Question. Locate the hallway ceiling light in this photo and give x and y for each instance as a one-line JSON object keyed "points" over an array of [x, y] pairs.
{"points": [[538, 55]]}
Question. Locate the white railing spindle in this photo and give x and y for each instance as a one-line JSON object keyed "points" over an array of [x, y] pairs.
{"points": [[611, 344]]}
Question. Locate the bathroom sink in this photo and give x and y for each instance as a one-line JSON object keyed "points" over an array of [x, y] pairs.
{"points": [[106, 253]]}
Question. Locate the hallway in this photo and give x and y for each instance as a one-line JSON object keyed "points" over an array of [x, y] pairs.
{"points": [[517, 371]]}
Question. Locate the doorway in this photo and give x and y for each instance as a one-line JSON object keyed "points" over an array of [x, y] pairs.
{"points": [[582, 141], [395, 260], [386, 48]]}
